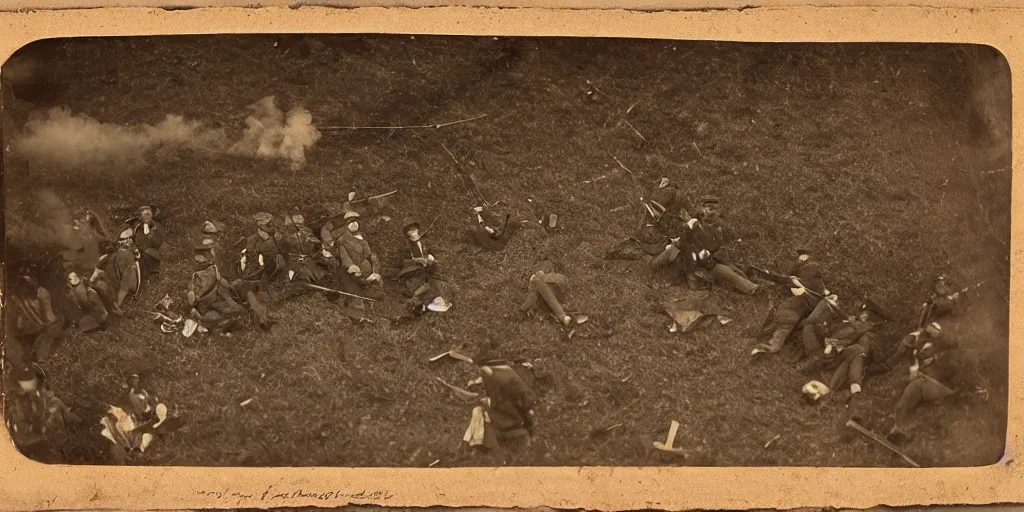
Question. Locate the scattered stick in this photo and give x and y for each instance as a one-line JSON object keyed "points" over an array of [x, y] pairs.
{"points": [[769, 443], [874, 437], [431, 224], [701, 155], [411, 127], [624, 167], [471, 180], [635, 130], [596, 89], [378, 196], [462, 393], [595, 180]]}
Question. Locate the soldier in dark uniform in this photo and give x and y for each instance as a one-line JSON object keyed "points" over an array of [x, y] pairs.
{"points": [[359, 271], [510, 400], [420, 271], [701, 248], [805, 281], [30, 322], [941, 370], [36, 418], [262, 258], [149, 238], [122, 269], [853, 346], [931, 333], [488, 235], [308, 260], [212, 298], [92, 312], [663, 216]]}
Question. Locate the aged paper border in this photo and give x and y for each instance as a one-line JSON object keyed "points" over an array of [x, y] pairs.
{"points": [[25, 485]]}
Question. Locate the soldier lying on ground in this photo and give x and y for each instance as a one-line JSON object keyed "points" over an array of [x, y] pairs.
{"points": [[134, 420], [941, 370], [506, 413], [805, 282], [701, 248], [36, 418], [547, 291], [359, 269], [421, 274], [308, 261], [30, 322], [487, 235], [149, 238], [262, 258], [852, 345], [90, 311], [122, 269]]}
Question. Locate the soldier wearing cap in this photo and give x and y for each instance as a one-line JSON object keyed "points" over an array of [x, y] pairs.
{"points": [[149, 238], [92, 312], [701, 248], [807, 285], [940, 370], [359, 271], [308, 260], [510, 400], [30, 321], [419, 268], [931, 333], [86, 244], [36, 418], [123, 269], [210, 295], [262, 259]]}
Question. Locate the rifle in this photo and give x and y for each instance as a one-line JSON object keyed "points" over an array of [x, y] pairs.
{"points": [[770, 276], [331, 290]]}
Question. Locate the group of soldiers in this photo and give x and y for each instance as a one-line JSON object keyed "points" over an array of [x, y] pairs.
{"points": [[102, 273], [831, 338], [335, 257]]}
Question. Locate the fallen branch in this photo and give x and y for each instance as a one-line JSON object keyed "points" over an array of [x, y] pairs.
{"points": [[701, 155], [635, 130], [471, 180], [624, 167], [378, 196], [462, 393], [874, 437], [410, 127]]}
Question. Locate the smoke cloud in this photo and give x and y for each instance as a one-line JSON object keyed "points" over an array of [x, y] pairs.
{"points": [[63, 138], [271, 134]]}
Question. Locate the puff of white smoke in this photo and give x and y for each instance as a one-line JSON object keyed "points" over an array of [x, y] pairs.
{"points": [[271, 134], [63, 138]]}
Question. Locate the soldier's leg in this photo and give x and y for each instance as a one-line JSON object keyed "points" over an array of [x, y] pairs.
{"points": [[840, 375], [858, 360], [908, 401], [548, 295], [667, 256], [727, 275], [532, 298], [813, 347], [778, 337]]}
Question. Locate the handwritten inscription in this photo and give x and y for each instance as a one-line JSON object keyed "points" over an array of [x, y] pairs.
{"points": [[274, 495]]}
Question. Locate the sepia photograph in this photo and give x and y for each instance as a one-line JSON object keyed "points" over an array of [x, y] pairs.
{"points": [[425, 251]]}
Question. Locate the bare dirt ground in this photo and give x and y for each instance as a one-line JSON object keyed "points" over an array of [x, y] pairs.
{"points": [[872, 155]]}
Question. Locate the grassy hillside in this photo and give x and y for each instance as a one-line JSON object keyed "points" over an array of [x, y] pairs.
{"points": [[865, 153]]}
